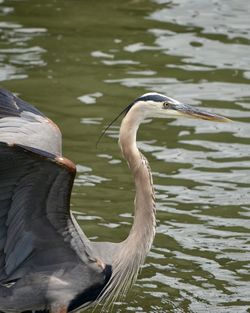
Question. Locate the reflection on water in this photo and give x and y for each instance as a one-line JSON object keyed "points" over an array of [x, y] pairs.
{"points": [[227, 18], [202, 91], [93, 59], [19, 54]]}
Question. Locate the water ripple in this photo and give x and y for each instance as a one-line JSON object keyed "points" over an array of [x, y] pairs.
{"points": [[213, 17], [18, 54]]}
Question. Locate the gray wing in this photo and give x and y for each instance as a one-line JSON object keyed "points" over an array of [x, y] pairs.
{"points": [[35, 188], [21, 123], [36, 229], [36, 182]]}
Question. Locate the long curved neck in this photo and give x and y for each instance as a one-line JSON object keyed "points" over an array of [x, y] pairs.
{"points": [[130, 253], [143, 230]]}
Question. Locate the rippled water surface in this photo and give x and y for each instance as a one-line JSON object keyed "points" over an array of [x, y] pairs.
{"points": [[81, 62]]}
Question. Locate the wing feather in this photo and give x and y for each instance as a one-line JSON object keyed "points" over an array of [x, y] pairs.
{"points": [[21, 123], [37, 231], [34, 210]]}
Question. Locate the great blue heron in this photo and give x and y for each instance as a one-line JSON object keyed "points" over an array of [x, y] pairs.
{"points": [[46, 260]]}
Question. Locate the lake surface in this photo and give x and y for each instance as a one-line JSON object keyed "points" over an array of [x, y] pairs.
{"points": [[81, 63]]}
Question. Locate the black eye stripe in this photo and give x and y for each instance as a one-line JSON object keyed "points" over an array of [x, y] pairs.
{"points": [[156, 98]]}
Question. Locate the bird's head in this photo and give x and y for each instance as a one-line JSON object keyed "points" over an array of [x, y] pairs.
{"points": [[155, 105]]}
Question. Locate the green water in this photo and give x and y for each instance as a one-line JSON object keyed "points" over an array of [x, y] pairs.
{"points": [[81, 62]]}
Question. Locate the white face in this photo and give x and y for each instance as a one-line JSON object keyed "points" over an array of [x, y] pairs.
{"points": [[155, 105]]}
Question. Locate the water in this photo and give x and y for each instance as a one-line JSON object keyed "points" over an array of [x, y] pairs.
{"points": [[81, 62]]}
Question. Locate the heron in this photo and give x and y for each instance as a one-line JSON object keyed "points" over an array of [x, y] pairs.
{"points": [[47, 263]]}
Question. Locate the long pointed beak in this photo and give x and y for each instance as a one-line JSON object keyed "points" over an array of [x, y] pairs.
{"points": [[193, 112]]}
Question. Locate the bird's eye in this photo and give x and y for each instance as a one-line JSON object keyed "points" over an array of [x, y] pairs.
{"points": [[165, 105]]}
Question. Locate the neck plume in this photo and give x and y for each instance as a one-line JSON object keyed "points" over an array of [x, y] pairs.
{"points": [[133, 250]]}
